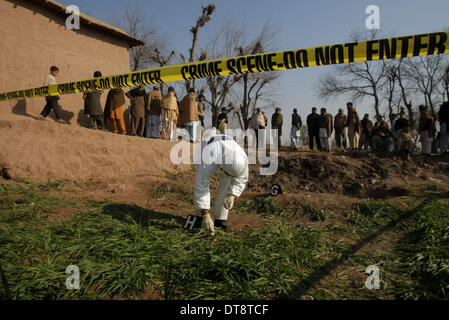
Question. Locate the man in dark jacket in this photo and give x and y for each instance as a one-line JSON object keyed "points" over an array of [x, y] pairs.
{"points": [[313, 128], [401, 123], [367, 130], [443, 117], [92, 106], [382, 142], [276, 123], [296, 125]]}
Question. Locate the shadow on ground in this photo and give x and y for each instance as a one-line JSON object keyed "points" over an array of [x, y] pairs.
{"points": [[20, 108], [319, 274], [142, 216]]}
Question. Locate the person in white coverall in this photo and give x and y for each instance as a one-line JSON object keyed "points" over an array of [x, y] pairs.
{"points": [[222, 155]]}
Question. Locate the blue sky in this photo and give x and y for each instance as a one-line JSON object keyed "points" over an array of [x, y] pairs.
{"points": [[300, 24]]}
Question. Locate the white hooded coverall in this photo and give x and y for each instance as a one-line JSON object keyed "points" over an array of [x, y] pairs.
{"points": [[220, 154]]}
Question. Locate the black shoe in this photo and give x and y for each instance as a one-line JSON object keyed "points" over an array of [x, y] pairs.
{"points": [[222, 224]]}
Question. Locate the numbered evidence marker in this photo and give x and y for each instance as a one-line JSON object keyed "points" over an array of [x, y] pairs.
{"points": [[373, 281], [275, 190], [73, 281], [192, 222]]}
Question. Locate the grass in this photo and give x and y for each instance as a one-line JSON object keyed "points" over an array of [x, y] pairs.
{"points": [[124, 251], [168, 191], [266, 206], [425, 254], [316, 214]]}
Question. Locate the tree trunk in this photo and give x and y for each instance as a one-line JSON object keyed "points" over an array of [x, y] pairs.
{"points": [[376, 104], [244, 108]]}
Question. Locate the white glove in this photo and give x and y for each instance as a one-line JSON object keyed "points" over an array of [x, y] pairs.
{"points": [[208, 224], [229, 201]]}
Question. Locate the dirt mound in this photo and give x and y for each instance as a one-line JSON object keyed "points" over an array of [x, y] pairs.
{"points": [[46, 150], [360, 175]]}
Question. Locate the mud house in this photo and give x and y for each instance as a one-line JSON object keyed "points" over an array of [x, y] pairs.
{"points": [[34, 37]]}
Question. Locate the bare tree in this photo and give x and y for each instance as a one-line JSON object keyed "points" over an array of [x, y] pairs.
{"points": [[218, 91], [161, 60], [223, 91], [446, 84], [425, 75], [134, 22], [391, 75], [255, 85], [200, 22], [405, 95], [360, 80]]}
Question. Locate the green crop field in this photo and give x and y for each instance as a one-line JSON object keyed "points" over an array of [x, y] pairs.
{"points": [[127, 252]]}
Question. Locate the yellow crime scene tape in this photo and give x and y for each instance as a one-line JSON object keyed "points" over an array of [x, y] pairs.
{"points": [[382, 49]]}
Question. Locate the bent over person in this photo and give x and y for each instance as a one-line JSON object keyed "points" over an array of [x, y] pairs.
{"points": [[222, 155]]}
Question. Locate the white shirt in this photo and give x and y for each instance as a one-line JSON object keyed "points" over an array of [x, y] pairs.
{"points": [[50, 80]]}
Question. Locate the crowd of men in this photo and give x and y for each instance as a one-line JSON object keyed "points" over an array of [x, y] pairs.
{"points": [[154, 115], [381, 137]]}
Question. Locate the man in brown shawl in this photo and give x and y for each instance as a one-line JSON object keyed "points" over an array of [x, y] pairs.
{"points": [[170, 114], [188, 114], [340, 130], [139, 101], [113, 109]]}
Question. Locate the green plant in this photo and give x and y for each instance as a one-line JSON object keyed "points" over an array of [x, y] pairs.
{"points": [[316, 214], [261, 205]]}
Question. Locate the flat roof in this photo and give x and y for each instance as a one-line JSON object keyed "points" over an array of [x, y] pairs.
{"points": [[92, 22]]}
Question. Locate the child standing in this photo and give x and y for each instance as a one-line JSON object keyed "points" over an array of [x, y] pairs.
{"points": [[52, 101]]}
